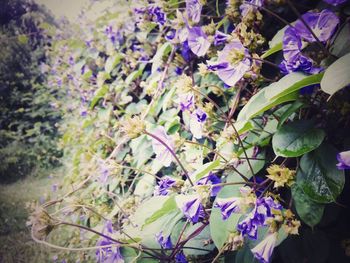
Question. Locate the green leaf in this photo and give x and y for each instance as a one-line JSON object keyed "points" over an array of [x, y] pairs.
{"points": [[141, 150], [99, 94], [220, 229], [112, 62], [309, 211], [297, 138], [341, 44], [290, 83], [245, 255], [198, 241], [273, 50], [244, 167], [157, 60], [168, 206], [318, 175], [205, 169], [291, 109], [279, 92], [135, 74], [336, 75]]}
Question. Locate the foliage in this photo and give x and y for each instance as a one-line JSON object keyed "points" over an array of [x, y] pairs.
{"points": [[188, 137], [27, 115]]}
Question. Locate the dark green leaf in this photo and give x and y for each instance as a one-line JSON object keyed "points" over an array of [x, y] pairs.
{"points": [[309, 211], [318, 175], [297, 138]]}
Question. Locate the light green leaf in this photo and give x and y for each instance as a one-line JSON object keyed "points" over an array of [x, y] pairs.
{"points": [[157, 60], [112, 62], [220, 229], [198, 241], [297, 138], [205, 169], [168, 206], [318, 175], [272, 50], [99, 94], [336, 75], [135, 74], [291, 109], [279, 92]]}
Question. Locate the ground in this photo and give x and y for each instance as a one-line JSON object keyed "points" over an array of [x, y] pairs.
{"points": [[16, 244]]}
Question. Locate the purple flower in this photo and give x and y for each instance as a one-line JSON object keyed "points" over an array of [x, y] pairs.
{"points": [[344, 160], [248, 227], [233, 63], [261, 211], [245, 8], [191, 207], [54, 187], [163, 155], [323, 24], [186, 101], [228, 206], [335, 2], [164, 242], [163, 185], [294, 60], [108, 254], [211, 179], [104, 174], [219, 38], [153, 13], [158, 15], [198, 118], [180, 257], [264, 249], [198, 41], [186, 52], [193, 10]]}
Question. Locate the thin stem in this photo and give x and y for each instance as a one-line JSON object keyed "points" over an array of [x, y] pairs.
{"points": [[264, 61], [219, 254], [172, 153], [271, 13]]}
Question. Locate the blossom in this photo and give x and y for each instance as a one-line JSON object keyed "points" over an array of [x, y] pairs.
{"points": [[344, 160], [280, 175], [153, 13], [259, 216], [211, 179], [180, 257], [198, 41], [220, 38], [108, 254], [163, 185], [323, 24], [163, 154], [164, 242], [233, 63], [186, 101], [335, 2], [198, 118], [191, 207], [294, 60], [193, 10], [228, 206], [264, 249]]}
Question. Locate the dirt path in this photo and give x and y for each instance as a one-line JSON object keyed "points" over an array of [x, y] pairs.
{"points": [[16, 244]]}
